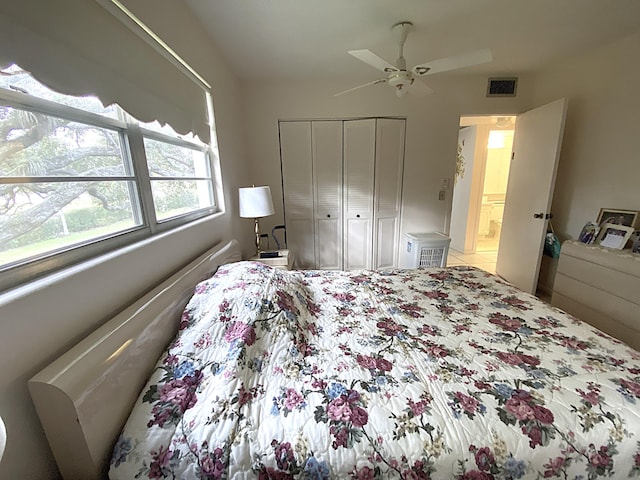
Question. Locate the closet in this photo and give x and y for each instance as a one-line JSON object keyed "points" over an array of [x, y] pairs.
{"points": [[342, 187]]}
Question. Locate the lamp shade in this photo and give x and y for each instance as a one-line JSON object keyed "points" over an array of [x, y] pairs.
{"points": [[255, 202]]}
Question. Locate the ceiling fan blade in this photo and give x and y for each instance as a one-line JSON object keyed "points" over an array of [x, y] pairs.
{"points": [[367, 56], [451, 63], [418, 88], [380, 80]]}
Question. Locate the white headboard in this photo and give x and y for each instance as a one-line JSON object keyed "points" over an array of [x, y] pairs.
{"points": [[84, 397]]}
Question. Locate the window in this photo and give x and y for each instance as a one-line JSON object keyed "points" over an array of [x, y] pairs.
{"points": [[77, 178], [180, 177]]}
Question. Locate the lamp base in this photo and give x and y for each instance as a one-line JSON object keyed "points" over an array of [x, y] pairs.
{"points": [[257, 232]]}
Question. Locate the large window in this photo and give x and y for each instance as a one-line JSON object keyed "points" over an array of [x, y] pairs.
{"points": [[77, 178]]}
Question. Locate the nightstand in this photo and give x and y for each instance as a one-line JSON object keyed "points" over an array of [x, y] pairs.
{"points": [[284, 260]]}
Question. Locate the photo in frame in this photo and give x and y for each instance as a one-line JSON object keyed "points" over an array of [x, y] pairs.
{"points": [[614, 236], [628, 218], [635, 248], [589, 233]]}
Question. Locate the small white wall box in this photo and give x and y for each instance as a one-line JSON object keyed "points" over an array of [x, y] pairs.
{"points": [[426, 250]]}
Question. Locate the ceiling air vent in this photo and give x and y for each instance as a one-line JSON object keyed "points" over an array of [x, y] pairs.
{"points": [[502, 87]]}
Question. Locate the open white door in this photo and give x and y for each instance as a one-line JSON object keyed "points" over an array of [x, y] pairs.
{"points": [[532, 177]]}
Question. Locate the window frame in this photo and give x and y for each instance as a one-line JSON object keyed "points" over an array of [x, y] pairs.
{"points": [[204, 149], [132, 139]]}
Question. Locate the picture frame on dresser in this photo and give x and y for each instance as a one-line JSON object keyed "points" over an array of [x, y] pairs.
{"points": [[627, 218], [635, 248], [589, 233], [614, 236]]}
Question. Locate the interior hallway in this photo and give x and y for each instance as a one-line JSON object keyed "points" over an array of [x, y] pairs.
{"points": [[486, 260]]}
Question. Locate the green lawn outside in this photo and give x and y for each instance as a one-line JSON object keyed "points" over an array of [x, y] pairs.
{"points": [[17, 254]]}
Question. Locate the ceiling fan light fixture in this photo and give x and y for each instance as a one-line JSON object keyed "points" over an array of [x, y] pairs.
{"points": [[401, 81]]}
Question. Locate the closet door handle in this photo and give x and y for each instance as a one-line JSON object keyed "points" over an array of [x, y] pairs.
{"points": [[328, 215], [358, 216], [538, 215]]}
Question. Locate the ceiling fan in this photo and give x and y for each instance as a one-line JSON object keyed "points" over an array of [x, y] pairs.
{"points": [[406, 81]]}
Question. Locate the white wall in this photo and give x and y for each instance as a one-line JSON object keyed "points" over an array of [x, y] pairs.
{"points": [[462, 190], [37, 325], [599, 162], [431, 134]]}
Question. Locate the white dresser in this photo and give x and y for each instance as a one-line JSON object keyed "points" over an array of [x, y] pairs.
{"points": [[602, 287]]}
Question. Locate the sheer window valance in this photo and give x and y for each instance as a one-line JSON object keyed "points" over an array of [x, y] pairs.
{"points": [[78, 48]]}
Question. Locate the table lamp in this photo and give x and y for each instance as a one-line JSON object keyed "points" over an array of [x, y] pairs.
{"points": [[255, 202]]}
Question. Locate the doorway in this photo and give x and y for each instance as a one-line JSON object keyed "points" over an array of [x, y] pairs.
{"points": [[480, 184]]}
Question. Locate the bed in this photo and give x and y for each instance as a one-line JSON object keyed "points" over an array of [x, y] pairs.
{"points": [[436, 373]]}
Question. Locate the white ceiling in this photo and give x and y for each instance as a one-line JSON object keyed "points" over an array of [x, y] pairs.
{"points": [[304, 39]]}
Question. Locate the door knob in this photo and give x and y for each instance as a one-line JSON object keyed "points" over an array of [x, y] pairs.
{"points": [[538, 215], [358, 216], [328, 215]]}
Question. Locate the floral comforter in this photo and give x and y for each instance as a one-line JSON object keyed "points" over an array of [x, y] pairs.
{"points": [[442, 373]]}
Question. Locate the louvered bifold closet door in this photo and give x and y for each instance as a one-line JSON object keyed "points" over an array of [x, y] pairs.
{"points": [[326, 140], [390, 136], [297, 182], [359, 158]]}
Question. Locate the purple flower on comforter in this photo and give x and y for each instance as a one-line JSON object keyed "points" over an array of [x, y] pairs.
{"points": [[287, 304], [212, 465], [284, 454], [239, 330], [159, 467], [181, 392], [506, 322], [172, 399], [389, 327], [346, 417]]}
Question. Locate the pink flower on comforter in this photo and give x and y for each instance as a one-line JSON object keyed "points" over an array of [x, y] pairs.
{"points": [[345, 408], [339, 409], [468, 403], [239, 330], [181, 392], [519, 409], [293, 399]]}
